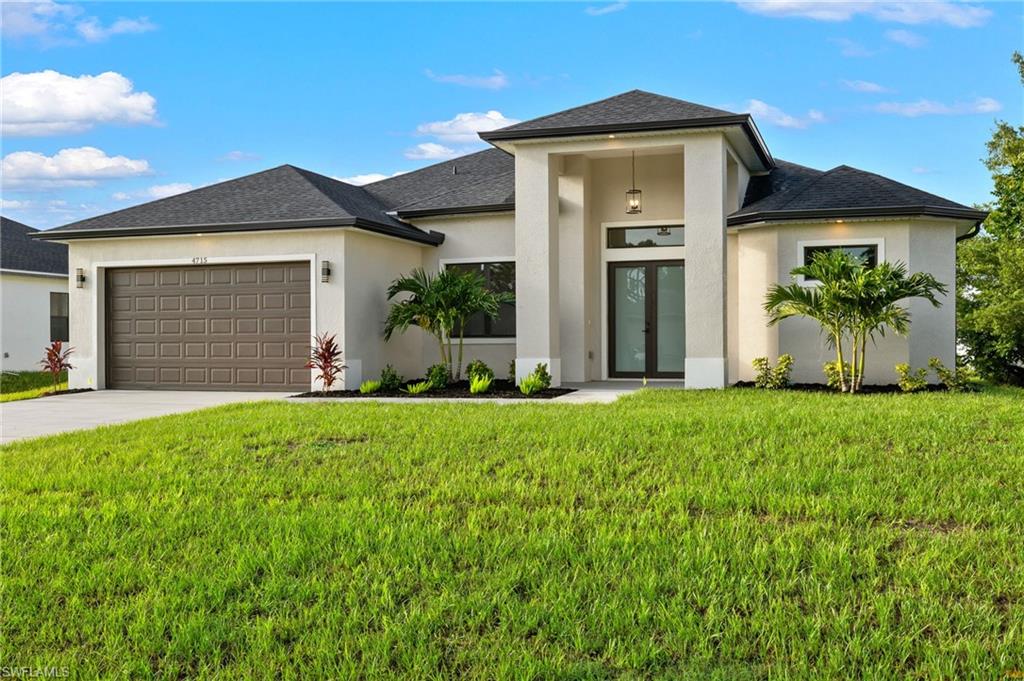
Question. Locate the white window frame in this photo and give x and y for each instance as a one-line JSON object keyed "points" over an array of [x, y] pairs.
{"points": [[443, 264], [801, 246]]}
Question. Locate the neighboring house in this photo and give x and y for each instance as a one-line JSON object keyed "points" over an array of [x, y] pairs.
{"points": [[33, 295], [222, 287]]}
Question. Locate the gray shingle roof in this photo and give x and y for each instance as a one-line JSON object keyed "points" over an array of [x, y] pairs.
{"points": [[792, 192], [19, 251], [633, 108], [496, 193], [281, 197], [476, 169]]}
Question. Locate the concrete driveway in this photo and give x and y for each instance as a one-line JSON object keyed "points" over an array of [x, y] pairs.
{"points": [[62, 413]]}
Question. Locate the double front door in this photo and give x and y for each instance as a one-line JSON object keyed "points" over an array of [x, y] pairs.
{"points": [[647, 319]]}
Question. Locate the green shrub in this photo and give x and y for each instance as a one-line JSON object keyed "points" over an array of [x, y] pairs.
{"points": [[391, 380], [911, 381], [541, 372], [480, 384], [961, 378], [417, 388], [512, 372], [438, 376], [369, 387], [775, 378], [833, 376], [531, 384], [477, 368]]}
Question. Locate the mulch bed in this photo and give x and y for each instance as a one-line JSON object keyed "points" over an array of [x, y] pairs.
{"points": [[864, 389], [499, 390]]}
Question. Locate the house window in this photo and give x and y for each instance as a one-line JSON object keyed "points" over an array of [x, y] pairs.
{"points": [[866, 253], [645, 237], [59, 317], [500, 277]]}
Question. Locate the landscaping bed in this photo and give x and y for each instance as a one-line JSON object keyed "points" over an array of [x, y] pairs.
{"points": [[500, 389], [863, 390]]}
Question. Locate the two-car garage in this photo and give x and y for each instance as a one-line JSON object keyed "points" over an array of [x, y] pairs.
{"points": [[209, 327]]}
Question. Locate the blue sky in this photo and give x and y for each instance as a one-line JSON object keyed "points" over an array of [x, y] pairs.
{"points": [[111, 104]]}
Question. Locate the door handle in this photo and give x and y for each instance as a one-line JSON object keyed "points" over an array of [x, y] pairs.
{"points": [[647, 328]]}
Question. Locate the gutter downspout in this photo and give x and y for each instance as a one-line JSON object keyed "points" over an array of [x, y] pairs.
{"points": [[972, 233]]}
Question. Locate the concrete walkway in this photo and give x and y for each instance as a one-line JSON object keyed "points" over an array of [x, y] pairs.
{"points": [[61, 413]]}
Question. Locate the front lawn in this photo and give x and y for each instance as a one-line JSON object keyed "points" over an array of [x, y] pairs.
{"points": [[24, 385], [722, 535]]}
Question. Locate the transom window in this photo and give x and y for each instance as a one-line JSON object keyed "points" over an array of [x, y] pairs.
{"points": [[59, 317], [645, 237], [500, 277]]}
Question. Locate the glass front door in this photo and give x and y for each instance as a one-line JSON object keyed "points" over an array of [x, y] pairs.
{"points": [[647, 325]]}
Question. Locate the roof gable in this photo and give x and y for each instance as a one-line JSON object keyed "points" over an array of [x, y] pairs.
{"points": [[19, 251]]}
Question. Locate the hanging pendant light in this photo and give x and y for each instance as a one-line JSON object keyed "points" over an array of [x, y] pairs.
{"points": [[634, 197]]}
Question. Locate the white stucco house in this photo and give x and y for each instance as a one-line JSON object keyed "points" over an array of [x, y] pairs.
{"points": [[33, 296], [222, 287]]}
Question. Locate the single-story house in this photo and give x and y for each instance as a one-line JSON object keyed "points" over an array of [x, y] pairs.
{"points": [[33, 295], [639, 233]]}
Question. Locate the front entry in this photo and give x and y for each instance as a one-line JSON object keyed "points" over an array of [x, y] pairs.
{"points": [[646, 319]]}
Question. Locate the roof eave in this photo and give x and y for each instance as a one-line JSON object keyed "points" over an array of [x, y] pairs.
{"points": [[432, 238], [743, 120], [834, 213], [458, 210]]}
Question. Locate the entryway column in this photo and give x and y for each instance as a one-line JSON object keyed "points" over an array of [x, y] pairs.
{"points": [[704, 198], [537, 294]]}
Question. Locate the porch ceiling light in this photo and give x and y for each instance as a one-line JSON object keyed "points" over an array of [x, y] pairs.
{"points": [[634, 197], [325, 271]]}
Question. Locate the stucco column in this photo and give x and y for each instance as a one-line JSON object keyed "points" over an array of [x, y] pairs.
{"points": [[572, 267], [537, 291], [704, 198]]}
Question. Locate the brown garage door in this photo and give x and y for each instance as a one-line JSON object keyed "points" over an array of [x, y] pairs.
{"points": [[209, 327]]}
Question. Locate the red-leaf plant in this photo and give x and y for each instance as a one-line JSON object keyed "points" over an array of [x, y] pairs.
{"points": [[56, 361], [325, 357]]}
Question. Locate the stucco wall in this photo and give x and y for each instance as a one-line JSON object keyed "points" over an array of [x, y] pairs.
{"points": [[768, 254], [25, 321], [382, 261]]}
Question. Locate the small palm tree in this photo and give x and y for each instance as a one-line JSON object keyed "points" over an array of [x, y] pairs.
{"points": [[422, 308]]}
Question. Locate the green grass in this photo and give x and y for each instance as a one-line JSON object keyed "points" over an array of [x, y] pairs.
{"points": [[703, 535], [24, 385]]}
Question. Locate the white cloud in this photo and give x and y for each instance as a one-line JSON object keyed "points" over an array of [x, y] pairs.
{"points": [[927, 107], [157, 191], [851, 48], [905, 38], [776, 116], [79, 167], [430, 151], [52, 23], [606, 9], [497, 81], [957, 14], [367, 178], [465, 126], [239, 156], [863, 86], [12, 204], [920, 170], [52, 103], [95, 32]]}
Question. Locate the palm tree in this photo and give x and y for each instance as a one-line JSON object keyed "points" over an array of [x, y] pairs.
{"points": [[852, 301], [440, 305]]}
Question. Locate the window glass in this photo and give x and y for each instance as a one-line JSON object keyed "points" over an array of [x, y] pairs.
{"points": [[500, 277], [645, 237], [868, 253], [59, 317]]}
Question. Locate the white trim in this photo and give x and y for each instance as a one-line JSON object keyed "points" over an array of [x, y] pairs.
{"points": [[31, 273], [98, 284], [485, 340], [625, 254], [878, 243]]}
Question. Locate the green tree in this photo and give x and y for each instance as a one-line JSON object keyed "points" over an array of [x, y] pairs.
{"points": [[990, 266], [853, 303], [440, 305]]}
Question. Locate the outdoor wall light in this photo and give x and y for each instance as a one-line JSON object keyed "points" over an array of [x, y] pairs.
{"points": [[325, 271], [79, 277], [634, 197]]}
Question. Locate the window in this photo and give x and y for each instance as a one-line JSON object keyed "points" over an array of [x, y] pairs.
{"points": [[645, 237], [500, 276], [59, 317], [868, 253]]}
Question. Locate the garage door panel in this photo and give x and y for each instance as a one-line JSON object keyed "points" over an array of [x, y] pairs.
{"points": [[218, 327]]}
